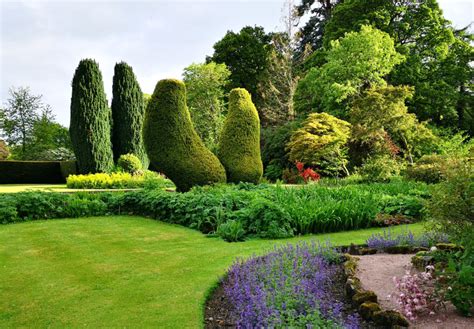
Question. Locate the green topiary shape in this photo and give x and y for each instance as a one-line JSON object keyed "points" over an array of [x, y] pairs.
{"points": [[172, 144], [129, 163], [90, 120], [239, 147], [128, 113]]}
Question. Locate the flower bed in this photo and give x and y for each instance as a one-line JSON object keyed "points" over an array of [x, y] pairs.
{"points": [[293, 286]]}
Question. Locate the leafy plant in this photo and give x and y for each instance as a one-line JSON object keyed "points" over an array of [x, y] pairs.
{"points": [[129, 163], [231, 231]]}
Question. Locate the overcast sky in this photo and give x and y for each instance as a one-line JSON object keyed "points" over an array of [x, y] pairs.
{"points": [[43, 41]]}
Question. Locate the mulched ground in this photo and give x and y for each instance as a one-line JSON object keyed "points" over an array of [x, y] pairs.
{"points": [[218, 307]]}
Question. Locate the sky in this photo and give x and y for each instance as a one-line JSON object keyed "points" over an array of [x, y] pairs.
{"points": [[42, 42]]}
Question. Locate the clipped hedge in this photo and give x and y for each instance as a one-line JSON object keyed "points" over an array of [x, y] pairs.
{"points": [[239, 147], [36, 172], [173, 146]]}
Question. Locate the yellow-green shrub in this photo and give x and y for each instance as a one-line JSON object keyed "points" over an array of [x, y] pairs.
{"points": [[116, 180]]}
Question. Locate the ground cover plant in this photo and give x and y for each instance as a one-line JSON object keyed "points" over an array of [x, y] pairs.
{"points": [[289, 287], [120, 270]]}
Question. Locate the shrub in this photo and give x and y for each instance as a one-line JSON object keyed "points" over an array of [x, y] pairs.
{"points": [[380, 168], [36, 172], [117, 180], [274, 156], [231, 231], [451, 208], [90, 120], [172, 144], [321, 143], [129, 163], [239, 146], [432, 168], [128, 113]]}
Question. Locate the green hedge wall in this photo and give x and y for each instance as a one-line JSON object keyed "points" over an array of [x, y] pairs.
{"points": [[36, 172]]}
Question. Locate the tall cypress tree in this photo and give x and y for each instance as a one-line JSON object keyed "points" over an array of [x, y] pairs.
{"points": [[90, 120], [128, 112]]}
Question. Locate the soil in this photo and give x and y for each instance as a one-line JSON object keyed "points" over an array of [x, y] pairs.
{"points": [[376, 273], [218, 308]]}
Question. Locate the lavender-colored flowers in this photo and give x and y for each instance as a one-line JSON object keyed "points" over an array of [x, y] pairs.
{"points": [[405, 238], [290, 287]]}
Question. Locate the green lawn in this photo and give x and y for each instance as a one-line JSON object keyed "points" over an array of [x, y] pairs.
{"points": [[117, 271]]}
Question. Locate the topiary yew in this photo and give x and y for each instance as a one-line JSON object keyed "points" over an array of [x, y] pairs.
{"points": [[172, 144], [128, 112], [239, 147], [90, 120]]}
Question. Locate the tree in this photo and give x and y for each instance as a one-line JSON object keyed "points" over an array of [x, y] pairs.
{"points": [[437, 57], [357, 61], [51, 141], [380, 117], [19, 117], [239, 147], [321, 142], [4, 152], [128, 113], [311, 34], [172, 144], [205, 86], [246, 55], [90, 120]]}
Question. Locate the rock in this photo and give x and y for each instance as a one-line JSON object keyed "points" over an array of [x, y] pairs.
{"points": [[367, 251], [449, 247], [367, 309], [399, 250], [363, 296], [390, 319], [352, 286]]}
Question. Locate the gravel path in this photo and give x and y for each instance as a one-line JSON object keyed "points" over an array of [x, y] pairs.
{"points": [[376, 273]]}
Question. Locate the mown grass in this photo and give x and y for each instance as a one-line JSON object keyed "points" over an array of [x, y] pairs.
{"points": [[118, 271]]}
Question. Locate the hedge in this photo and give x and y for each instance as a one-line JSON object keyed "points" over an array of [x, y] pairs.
{"points": [[36, 172]]}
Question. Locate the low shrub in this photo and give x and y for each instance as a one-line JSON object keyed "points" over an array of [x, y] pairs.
{"points": [[117, 180], [292, 287], [129, 163], [380, 168], [26, 206], [231, 231], [260, 210], [382, 241], [36, 172]]}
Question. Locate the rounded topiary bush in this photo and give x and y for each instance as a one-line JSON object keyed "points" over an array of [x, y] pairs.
{"points": [[239, 147], [129, 163], [172, 144]]}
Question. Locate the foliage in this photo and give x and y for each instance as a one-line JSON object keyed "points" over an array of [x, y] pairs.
{"points": [[172, 144], [129, 163], [287, 288], [274, 156], [438, 57], [90, 120], [205, 86], [231, 231], [117, 180], [380, 113], [278, 87], [451, 208], [4, 151], [311, 34], [380, 168], [263, 211], [35, 172], [30, 128], [128, 114], [246, 55], [321, 142], [308, 174], [326, 88], [239, 145]]}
